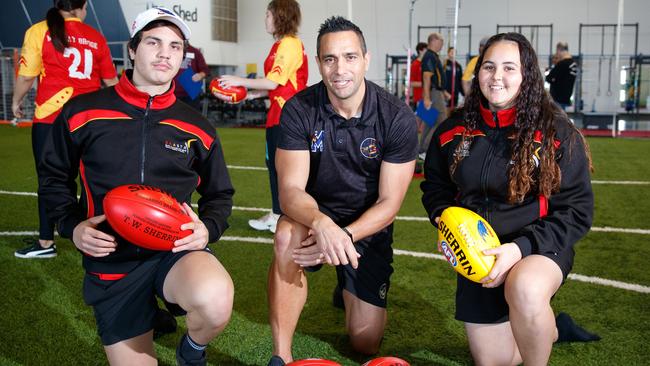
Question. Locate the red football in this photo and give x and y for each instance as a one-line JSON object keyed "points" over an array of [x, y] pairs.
{"points": [[235, 94], [146, 216], [313, 362], [386, 361]]}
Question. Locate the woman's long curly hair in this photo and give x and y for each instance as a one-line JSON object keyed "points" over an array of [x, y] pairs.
{"points": [[535, 111]]}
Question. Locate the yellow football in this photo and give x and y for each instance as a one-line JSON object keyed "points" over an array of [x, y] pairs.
{"points": [[462, 236]]}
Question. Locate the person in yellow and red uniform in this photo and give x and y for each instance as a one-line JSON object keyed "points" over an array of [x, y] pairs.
{"points": [[286, 74], [69, 58]]}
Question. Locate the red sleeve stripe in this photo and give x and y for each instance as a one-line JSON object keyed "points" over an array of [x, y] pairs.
{"points": [[556, 143], [82, 118], [446, 137], [191, 129], [539, 136], [89, 197], [109, 276], [543, 206]]}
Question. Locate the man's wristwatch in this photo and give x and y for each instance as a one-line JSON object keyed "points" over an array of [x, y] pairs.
{"points": [[345, 230]]}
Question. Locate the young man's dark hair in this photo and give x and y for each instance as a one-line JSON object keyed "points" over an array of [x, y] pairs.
{"points": [[420, 46], [137, 38], [339, 24]]}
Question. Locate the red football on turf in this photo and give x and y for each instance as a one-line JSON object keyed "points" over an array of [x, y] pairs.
{"points": [[386, 361], [235, 94], [313, 362], [146, 216]]}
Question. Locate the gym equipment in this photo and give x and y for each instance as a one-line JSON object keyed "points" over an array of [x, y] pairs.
{"points": [[583, 57], [533, 33]]}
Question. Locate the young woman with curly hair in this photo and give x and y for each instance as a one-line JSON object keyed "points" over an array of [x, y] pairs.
{"points": [[512, 156]]}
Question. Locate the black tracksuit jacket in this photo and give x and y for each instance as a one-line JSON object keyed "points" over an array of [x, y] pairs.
{"points": [[537, 225], [120, 135]]}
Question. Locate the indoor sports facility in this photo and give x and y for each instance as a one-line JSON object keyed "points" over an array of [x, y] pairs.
{"points": [[45, 321]]}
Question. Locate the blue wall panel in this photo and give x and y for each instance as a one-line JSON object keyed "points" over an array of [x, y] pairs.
{"points": [[14, 22]]}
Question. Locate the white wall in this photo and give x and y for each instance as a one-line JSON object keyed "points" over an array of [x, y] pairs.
{"points": [[385, 25], [199, 19]]}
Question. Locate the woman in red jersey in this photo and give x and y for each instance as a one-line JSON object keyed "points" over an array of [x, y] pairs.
{"points": [[286, 74], [69, 58]]}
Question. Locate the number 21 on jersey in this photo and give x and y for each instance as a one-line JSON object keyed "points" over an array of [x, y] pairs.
{"points": [[74, 69]]}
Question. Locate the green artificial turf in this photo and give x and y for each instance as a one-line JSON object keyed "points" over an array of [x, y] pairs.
{"points": [[44, 320]]}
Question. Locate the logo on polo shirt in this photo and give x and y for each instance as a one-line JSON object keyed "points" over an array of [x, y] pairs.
{"points": [[369, 148], [317, 141]]}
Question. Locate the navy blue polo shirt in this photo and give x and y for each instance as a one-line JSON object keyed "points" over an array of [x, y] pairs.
{"points": [[431, 63], [346, 155]]}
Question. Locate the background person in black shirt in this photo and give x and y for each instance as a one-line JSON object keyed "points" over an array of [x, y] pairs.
{"points": [[434, 94], [562, 75], [345, 160], [455, 76]]}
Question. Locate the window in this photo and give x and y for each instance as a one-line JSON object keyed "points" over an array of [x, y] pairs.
{"points": [[224, 20]]}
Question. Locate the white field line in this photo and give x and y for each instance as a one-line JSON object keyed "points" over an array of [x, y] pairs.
{"points": [[260, 240], [621, 182], [33, 194], [246, 167], [605, 229]]}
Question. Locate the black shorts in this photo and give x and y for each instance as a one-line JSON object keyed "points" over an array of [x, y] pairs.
{"points": [[370, 282], [125, 308], [476, 304]]}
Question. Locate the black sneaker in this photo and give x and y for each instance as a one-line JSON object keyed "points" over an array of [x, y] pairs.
{"points": [[35, 250], [337, 298], [276, 361], [180, 361], [163, 323]]}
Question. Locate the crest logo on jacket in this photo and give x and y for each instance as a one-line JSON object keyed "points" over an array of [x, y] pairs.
{"points": [[180, 147], [317, 141], [369, 148]]}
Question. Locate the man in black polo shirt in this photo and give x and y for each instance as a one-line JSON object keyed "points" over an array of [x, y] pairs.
{"points": [[434, 94], [345, 159]]}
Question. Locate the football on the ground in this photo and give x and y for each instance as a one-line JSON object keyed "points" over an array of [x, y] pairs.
{"points": [[146, 216], [462, 236], [386, 361], [313, 362], [234, 94]]}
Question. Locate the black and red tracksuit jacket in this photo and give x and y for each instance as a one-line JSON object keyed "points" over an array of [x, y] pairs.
{"points": [[121, 135], [480, 183]]}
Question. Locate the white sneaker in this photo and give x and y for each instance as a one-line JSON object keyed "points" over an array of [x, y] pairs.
{"points": [[266, 222], [422, 156]]}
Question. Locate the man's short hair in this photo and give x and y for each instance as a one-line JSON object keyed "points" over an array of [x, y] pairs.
{"points": [[339, 24], [562, 46], [420, 46], [434, 35]]}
